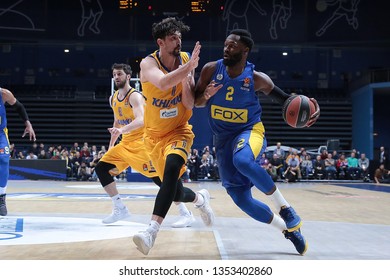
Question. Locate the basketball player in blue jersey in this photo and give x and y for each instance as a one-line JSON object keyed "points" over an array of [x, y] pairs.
{"points": [[228, 88], [6, 96]]}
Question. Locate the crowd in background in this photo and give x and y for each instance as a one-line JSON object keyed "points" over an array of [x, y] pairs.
{"points": [[287, 166], [80, 160]]}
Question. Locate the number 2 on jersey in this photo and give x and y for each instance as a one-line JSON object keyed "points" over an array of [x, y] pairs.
{"points": [[229, 94]]}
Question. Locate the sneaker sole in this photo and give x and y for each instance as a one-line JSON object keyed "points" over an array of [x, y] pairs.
{"points": [[175, 225], [298, 226], [306, 246], [141, 245], [122, 218], [208, 220]]}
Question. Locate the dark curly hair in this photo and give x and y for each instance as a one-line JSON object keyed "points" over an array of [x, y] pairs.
{"points": [[122, 66], [168, 26]]}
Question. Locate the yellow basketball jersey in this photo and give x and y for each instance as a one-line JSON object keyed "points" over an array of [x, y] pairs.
{"points": [[164, 110], [125, 115]]}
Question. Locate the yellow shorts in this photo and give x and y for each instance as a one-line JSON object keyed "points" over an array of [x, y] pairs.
{"points": [[176, 142], [131, 154]]}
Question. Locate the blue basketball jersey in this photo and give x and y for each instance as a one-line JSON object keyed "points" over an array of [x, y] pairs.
{"points": [[235, 107], [3, 118]]}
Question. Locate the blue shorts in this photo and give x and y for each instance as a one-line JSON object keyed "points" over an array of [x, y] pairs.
{"points": [[250, 144]]}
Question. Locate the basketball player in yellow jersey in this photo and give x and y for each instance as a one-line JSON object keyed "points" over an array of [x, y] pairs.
{"points": [[128, 108], [167, 78]]}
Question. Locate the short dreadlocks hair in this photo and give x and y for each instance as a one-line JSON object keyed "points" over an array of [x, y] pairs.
{"points": [[245, 37]]}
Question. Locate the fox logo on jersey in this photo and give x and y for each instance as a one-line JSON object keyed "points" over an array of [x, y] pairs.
{"points": [[229, 114]]}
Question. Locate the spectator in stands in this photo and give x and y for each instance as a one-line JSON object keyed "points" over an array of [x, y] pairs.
{"points": [[302, 155], [319, 167], [41, 147], [289, 155], [206, 149], [20, 155], [307, 167], [271, 170], [383, 156], [292, 172], [330, 167], [342, 167], [75, 148], [50, 151], [42, 155], [209, 155], [324, 154], [12, 151], [84, 153], [68, 163], [205, 166], [364, 164], [93, 151], [357, 153], [335, 155], [353, 166], [382, 175], [56, 154], [193, 164], [278, 163], [103, 149], [279, 151], [34, 149], [215, 169], [76, 163], [264, 161], [31, 155], [83, 172]]}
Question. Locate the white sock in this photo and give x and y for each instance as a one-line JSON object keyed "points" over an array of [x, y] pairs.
{"points": [[117, 201], [200, 200], [278, 223], [278, 199], [183, 209], [154, 227], [3, 190]]}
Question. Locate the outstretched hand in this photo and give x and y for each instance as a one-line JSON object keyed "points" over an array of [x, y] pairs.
{"points": [[115, 131], [30, 131], [314, 117], [211, 89], [194, 61]]}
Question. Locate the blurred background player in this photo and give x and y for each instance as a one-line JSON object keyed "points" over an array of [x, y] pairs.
{"points": [[6, 96], [128, 108]]}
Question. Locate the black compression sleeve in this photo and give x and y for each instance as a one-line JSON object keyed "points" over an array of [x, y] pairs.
{"points": [[21, 110], [278, 95]]}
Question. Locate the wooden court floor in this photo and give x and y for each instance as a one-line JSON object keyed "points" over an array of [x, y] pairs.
{"points": [[58, 220]]}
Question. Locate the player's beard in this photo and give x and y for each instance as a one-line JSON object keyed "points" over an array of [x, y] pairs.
{"points": [[120, 84], [176, 51], [232, 60]]}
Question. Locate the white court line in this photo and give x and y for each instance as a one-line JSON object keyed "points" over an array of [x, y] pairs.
{"points": [[221, 247]]}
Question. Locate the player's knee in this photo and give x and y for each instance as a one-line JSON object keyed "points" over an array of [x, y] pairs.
{"points": [[104, 172], [173, 164], [240, 161]]}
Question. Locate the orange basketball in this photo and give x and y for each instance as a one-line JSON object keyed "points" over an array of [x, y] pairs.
{"points": [[297, 110]]}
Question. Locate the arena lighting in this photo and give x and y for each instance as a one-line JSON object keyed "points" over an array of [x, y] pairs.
{"points": [[285, 53], [66, 50]]}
